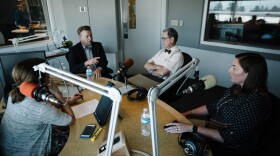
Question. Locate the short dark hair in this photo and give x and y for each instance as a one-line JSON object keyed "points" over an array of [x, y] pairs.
{"points": [[255, 65], [171, 32], [81, 28]]}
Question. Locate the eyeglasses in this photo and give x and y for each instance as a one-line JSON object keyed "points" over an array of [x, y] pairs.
{"points": [[164, 38]]}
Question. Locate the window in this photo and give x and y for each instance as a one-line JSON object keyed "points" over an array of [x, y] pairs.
{"points": [[21, 18], [242, 24]]}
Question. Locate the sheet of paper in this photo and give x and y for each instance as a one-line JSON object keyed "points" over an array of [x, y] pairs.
{"points": [[85, 108], [125, 89]]}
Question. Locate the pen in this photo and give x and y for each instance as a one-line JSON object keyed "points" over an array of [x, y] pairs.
{"points": [[82, 97], [96, 134]]}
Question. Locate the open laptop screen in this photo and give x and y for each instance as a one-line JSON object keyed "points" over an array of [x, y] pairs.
{"points": [[103, 108]]}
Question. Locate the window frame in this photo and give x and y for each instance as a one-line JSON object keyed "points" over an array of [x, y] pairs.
{"points": [[47, 9], [226, 45]]}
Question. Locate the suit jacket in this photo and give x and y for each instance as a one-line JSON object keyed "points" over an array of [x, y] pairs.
{"points": [[76, 57]]}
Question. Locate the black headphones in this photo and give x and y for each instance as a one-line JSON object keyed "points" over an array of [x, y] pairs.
{"points": [[140, 95], [193, 144]]}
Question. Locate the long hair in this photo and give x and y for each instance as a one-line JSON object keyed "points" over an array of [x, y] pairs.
{"points": [[255, 65], [22, 72]]}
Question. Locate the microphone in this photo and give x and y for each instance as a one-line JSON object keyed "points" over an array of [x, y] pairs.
{"points": [[126, 65], [38, 93], [66, 44], [204, 83], [196, 73]]}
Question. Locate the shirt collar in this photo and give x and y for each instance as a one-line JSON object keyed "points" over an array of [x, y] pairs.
{"points": [[173, 49]]}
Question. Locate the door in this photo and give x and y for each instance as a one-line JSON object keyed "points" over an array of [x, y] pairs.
{"points": [[144, 40]]}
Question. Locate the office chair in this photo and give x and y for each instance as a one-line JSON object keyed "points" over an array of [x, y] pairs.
{"points": [[187, 58], [268, 143], [170, 95]]}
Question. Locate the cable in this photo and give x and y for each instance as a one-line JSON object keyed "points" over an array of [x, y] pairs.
{"points": [[48, 49], [54, 38], [177, 93], [64, 82], [139, 152]]}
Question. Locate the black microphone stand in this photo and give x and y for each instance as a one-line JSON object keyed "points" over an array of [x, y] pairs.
{"points": [[123, 74], [196, 75]]}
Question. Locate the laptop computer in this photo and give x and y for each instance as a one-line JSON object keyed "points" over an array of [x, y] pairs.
{"points": [[103, 109]]}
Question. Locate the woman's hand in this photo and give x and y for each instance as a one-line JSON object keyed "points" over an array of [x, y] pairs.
{"points": [[176, 127], [188, 113], [75, 98]]}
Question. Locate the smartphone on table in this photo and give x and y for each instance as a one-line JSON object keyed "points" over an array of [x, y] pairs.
{"points": [[88, 130]]}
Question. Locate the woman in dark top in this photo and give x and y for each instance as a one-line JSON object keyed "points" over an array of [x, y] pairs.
{"points": [[237, 119], [22, 16]]}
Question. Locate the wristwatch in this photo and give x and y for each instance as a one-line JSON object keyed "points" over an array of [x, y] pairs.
{"points": [[194, 129]]}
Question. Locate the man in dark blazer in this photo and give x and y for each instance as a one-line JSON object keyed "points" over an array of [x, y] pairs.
{"points": [[87, 53]]}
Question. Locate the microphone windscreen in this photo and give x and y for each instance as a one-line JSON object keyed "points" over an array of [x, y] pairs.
{"points": [[128, 63], [27, 88], [209, 81], [68, 44]]}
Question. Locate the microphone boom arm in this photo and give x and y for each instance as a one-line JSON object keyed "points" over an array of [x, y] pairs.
{"points": [[157, 90], [16, 41], [110, 92]]}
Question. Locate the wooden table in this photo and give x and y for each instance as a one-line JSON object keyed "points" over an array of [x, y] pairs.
{"points": [[131, 112]]}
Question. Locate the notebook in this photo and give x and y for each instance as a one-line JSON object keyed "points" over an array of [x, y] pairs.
{"points": [[140, 80]]}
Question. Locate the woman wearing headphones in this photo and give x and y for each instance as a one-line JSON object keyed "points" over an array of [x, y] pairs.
{"points": [[237, 119], [29, 127]]}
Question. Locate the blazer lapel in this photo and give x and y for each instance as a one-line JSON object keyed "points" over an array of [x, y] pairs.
{"points": [[82, 51], [94, 49]]}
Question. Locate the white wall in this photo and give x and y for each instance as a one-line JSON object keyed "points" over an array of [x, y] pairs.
{"points": [[100, 15], [217, 64]]}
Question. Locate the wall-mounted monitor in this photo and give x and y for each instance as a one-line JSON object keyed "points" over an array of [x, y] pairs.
{"points": [[8, 61]]}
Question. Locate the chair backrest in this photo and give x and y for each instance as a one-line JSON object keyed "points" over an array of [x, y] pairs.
{"points": [[67, 56], [187, 58], [270, 136]]}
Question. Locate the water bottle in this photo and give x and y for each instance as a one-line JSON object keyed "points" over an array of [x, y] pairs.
{"points": [[89, 73], [145, 123]]}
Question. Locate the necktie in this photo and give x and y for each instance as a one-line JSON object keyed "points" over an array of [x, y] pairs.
{"points": [[166, 50]]}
